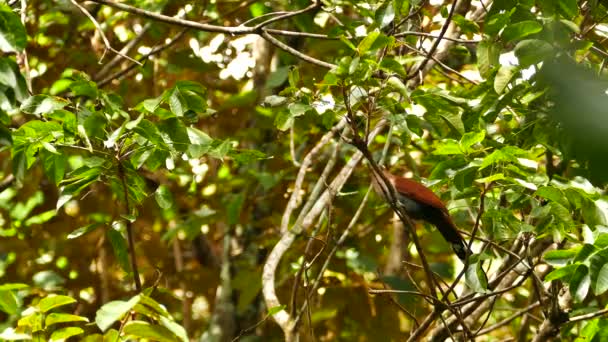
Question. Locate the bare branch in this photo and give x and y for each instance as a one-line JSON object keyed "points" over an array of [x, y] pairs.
{"points": [[101, 33], [283, 319], [231, 30]]}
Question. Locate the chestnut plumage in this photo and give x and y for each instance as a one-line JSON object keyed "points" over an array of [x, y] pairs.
{"points": [[421, 203]]}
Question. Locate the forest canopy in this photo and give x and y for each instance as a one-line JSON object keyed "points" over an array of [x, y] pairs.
{"points": [[180, 171]]}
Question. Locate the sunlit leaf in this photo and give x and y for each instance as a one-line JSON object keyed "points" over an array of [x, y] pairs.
{"points": [[53, 301], [113, 311]]}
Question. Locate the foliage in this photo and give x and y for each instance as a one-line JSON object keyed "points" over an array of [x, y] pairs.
{"points": [[213, 184]]}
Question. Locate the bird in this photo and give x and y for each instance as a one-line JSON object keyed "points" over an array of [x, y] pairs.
{"points": [[421, 203]]}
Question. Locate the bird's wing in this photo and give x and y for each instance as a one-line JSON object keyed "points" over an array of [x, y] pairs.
{"points": [[418, 192]]}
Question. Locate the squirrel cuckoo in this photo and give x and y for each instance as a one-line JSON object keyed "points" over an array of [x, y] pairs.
{"points": [[420, 203]]}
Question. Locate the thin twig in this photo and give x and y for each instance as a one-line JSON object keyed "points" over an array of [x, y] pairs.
{"points": [[508, 319], [7, 182], [154, 51], [130, 238], [305, 264], [231, 30], [389, 190], [315, 4], [272, 40], [125, 50], [444, 28], [584, 317], [101, 33], [430, 35], [23, 55]]}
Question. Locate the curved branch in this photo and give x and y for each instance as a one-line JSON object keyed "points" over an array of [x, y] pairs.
{"points": [[101, 33], [231, 30], [315, 4], [295, 52], [444, 29], [282, 318]]}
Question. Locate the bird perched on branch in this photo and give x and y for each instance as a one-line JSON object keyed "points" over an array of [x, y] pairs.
{"points": [[420, 203]]}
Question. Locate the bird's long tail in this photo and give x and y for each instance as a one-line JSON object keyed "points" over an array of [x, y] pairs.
{"points": [[450, 233]]}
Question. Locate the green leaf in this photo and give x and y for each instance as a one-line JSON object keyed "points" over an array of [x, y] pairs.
{"points": [[84, 88], [243, 157], [148, 301], [276, 309], [453, 121], [8, 302], [464, 177], [475, 277], [532, 51], [33, 321], [53, 301], [284, 120], [149, 131], [503, 77], [560, 273], [385, 14], [396, 84], [119, 245], [11, 77], [275, 100], [447, 147], [54, 318], [553, 194], [507, 154], [580, 283], [233, 208], [466, 25], [84, 230], [201, 142], [494, 23], [391, 65], [164, 197], [521, 30], [65, 333], [114, 136], [42, 104], [94, 125], [584, 252], [277, 77], [68, 121], [294, 76], [402, 7], [568, 8], [111, 335], [78, 181], [113, 311], [6, 138], [40, 218], [54, 166], [141, 329], [149, 105], [367, 42], [13, 37], [560, 257], [187, 96], [298, 109], [175, 328], [21, 210], [13, 286], [221, 150], [471, 138], [601, 284], [257, 9], [175, 134], [487, 57]]}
